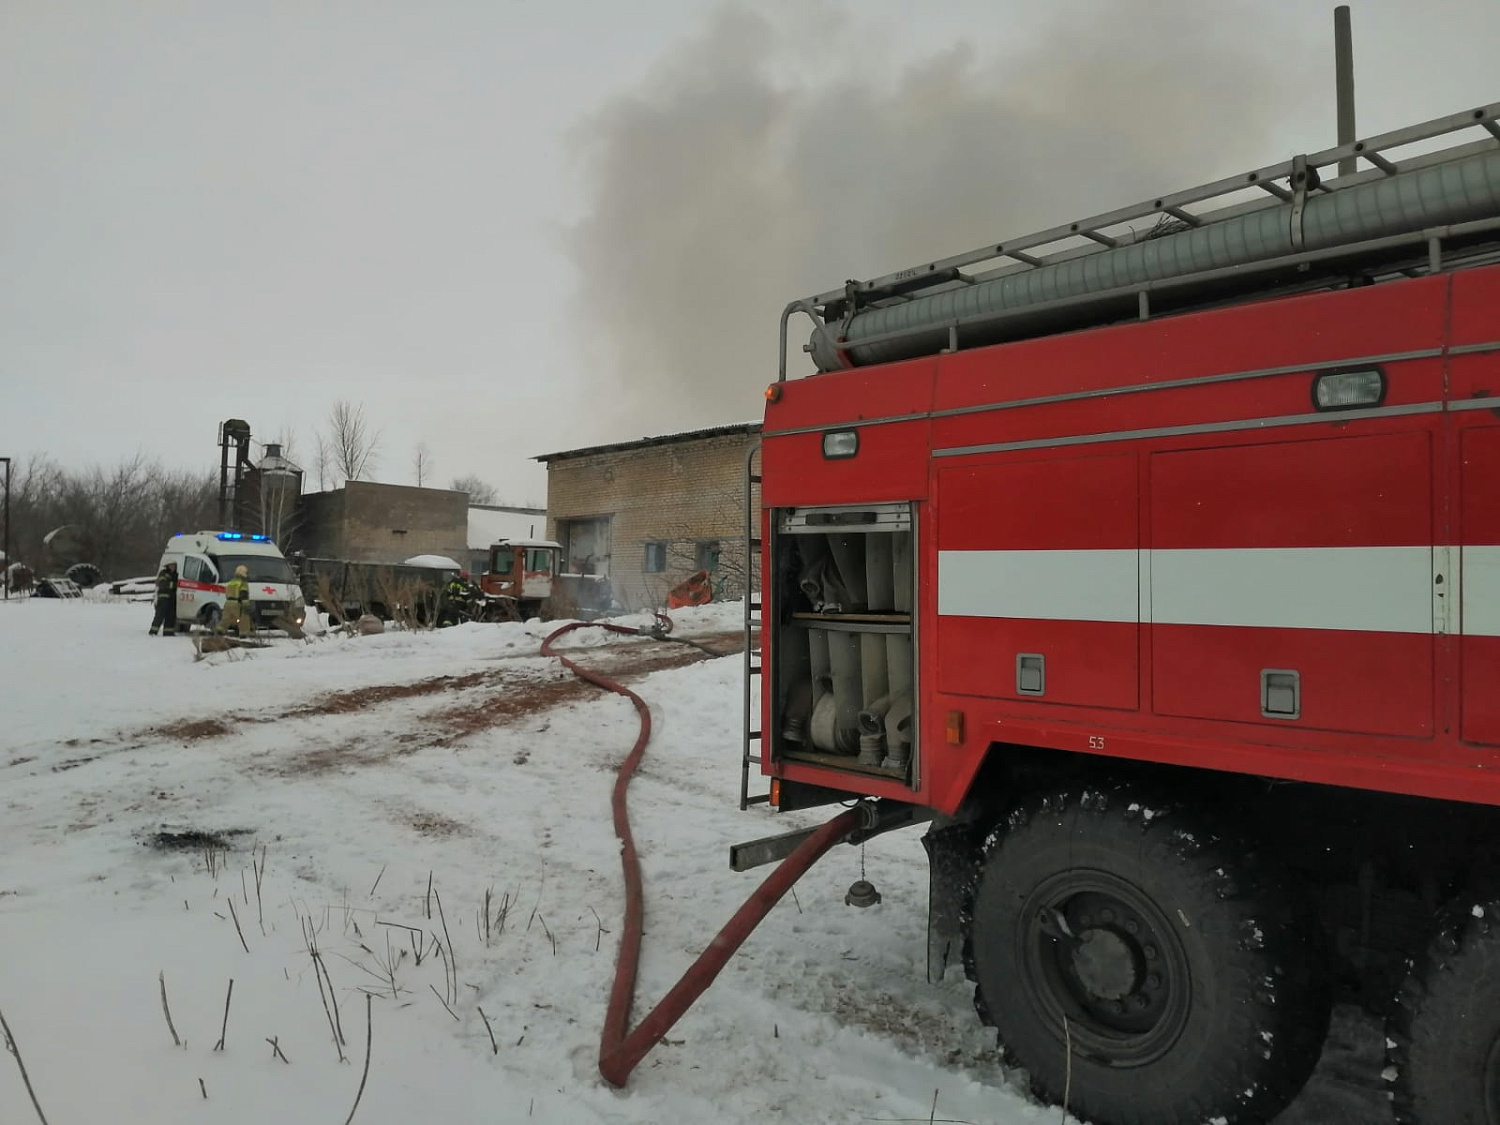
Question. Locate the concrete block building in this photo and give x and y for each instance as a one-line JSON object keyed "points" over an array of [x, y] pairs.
{"points": [[385, 523], [649, 513]]}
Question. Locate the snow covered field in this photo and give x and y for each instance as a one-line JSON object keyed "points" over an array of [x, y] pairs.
{"points": [[340, 777]]}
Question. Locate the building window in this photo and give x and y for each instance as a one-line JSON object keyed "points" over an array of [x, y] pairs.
{"points": [[656, 558], [708, 555]]}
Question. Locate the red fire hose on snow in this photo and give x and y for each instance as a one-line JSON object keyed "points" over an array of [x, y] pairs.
{"points": [[621, 1050]]}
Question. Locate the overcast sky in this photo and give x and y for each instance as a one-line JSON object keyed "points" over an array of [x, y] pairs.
{"points": [[508, 228]]}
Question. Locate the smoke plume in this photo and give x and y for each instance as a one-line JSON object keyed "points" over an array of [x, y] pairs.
{"points": [[764, 159]]}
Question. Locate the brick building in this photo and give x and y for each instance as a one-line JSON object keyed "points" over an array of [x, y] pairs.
{"points": [[649, 513], [369, 522]]}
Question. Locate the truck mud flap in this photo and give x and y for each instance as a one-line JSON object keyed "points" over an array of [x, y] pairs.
{"points": [[951, 856]]}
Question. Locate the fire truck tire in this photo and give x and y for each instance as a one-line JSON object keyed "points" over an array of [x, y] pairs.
{"points": [[1159, 952], [1443, 1038]]}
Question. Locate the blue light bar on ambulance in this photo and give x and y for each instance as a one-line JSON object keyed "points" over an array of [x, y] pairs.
{"points": [[231, 535]]}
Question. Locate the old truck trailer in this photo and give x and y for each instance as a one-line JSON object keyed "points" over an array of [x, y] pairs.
{"points": [[1153, 562], [346, 588]]}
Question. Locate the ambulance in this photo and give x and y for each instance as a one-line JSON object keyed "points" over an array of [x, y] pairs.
{"points": [[206, 560]]}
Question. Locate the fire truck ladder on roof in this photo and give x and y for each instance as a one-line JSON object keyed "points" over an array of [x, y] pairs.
{"points": [[1274, 228], [753, 744]]}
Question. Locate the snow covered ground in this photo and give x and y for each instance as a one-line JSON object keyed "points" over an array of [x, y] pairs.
{"points": [[343, 775]]}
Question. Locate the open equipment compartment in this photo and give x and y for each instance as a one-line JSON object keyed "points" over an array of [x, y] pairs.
{"points": [[844, 655]]}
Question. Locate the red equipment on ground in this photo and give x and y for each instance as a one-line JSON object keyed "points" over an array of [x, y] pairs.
{"points": [[695, 590]]}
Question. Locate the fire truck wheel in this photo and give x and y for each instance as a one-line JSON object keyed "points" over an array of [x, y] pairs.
{"points": [[1443, 1038], [1143, 966]]}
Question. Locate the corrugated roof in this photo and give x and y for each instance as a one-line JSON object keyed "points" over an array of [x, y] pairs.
{"points": [[645, 443]]}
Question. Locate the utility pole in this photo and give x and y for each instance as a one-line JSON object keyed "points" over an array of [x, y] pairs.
{"points": [[1343, 71], [5, 548]]}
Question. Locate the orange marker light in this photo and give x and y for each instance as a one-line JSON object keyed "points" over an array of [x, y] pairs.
{"points": [[955, 728], [776, 792], [773, 393]]}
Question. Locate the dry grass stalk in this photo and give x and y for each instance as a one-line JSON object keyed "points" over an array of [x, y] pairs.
{"points": [[236, 918], [443, 953], [338, 1022], [10, 1045], [331, 599], [260, 874], [224, 1030], [598, 937], [494, 1047], [444, 1003], [309, 936], [418, 940], [276, 1051], [369, 1037], [452, 957], [1068, 1078], [161, 978], [358, 591], [402, 599]]}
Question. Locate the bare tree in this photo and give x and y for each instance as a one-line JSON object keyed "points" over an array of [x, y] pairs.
{"points": [[480, 492], [116, 518], [352, 445], [322, 460], [422, 463]]}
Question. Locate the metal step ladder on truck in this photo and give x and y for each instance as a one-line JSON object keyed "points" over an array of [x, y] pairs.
{"points": [[1153, 562]]}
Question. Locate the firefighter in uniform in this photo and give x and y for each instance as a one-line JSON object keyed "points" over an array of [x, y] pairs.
{"points": [[237, 603], [457, 596], [165, 616]]}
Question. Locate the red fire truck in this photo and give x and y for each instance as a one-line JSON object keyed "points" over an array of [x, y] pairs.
{"points": [[1153, 562]]}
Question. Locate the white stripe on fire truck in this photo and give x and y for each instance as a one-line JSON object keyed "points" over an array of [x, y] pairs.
{"points": [[1358, 589], [1354, 589], [1099, 585], [1480, 594]]}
